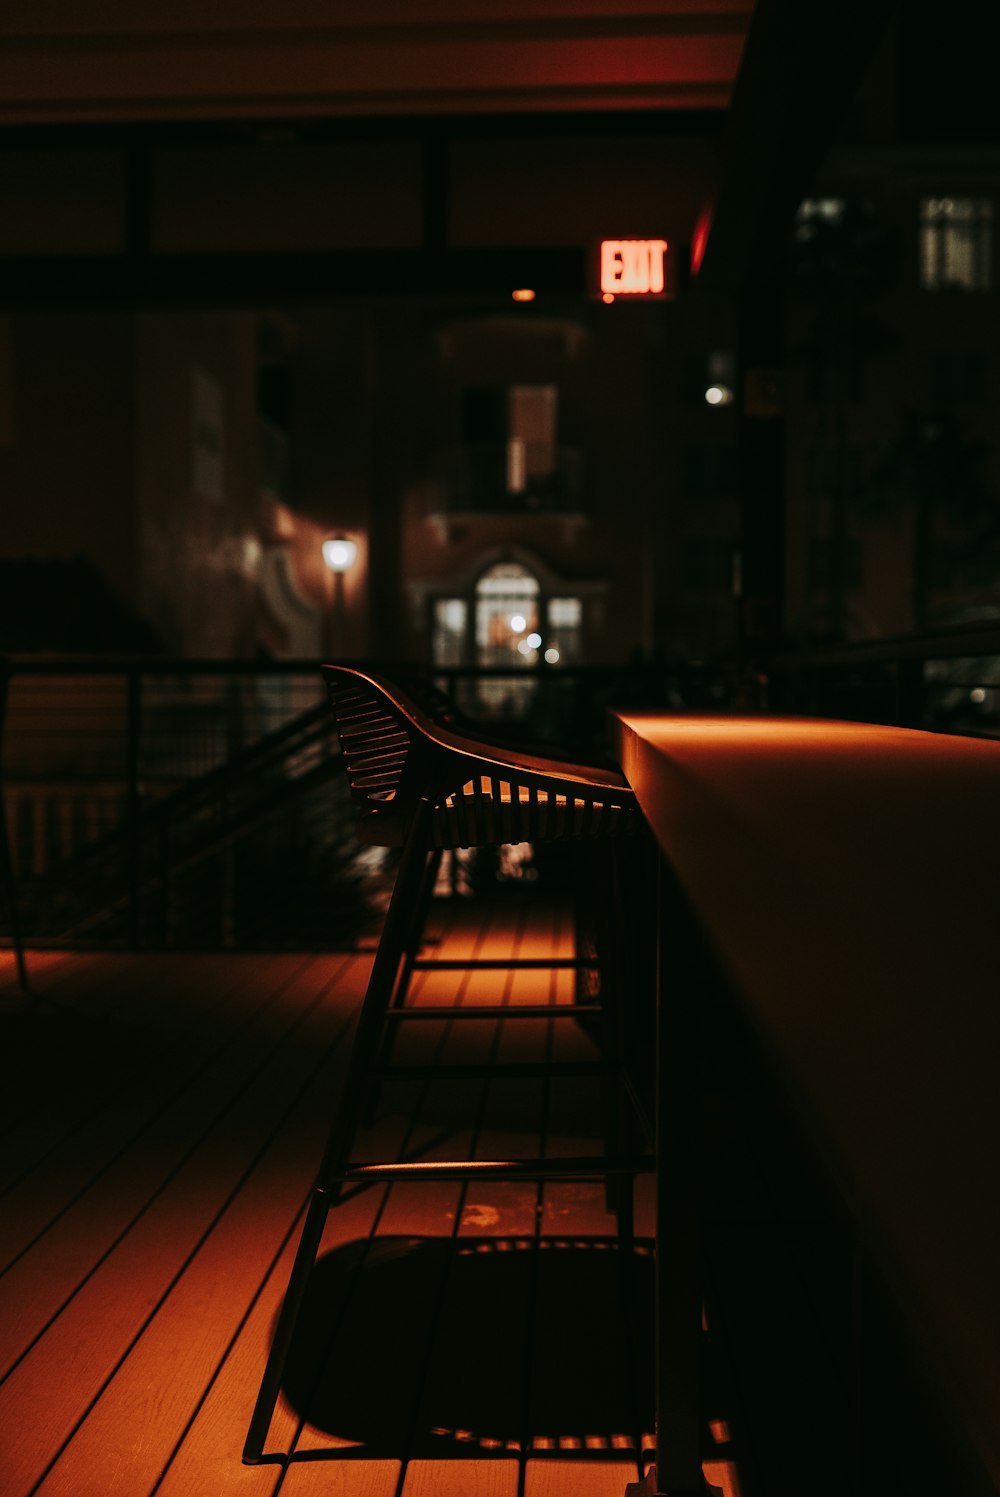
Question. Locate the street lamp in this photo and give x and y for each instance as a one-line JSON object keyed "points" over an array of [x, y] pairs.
{"points": [[340, 553]]}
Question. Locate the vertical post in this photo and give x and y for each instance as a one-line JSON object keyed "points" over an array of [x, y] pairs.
{"points": [[133, 720], [6, 856], [338, 616], [761, 435], [678, 1170], [910, 693]]}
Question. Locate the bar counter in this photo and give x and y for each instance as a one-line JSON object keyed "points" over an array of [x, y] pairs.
{"points": [[845, 876]]}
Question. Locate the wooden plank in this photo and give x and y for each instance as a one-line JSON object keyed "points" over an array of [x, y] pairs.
{"points": [[201, 1313], [381, 1331], [40, 1283], [584, 1381], [342, 1478], [473, 1386], [465, 1478], [416, 1227], [511, 1111], [379, 1338], [101, 1323], [72, 1032], [42, 965], [472, 1398], [86, 1062], [150, 1082], [107, 1365], [586, 1478], [207, 1459]]}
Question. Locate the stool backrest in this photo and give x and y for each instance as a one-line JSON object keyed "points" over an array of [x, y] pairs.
{"points": [[482, 794]]}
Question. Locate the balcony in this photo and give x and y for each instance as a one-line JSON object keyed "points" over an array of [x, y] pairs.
{"points": [[510, 478]]}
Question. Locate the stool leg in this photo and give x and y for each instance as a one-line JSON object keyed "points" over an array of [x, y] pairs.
{"points": [[423, 905], [270, 1384], [395, 934], [412, 950]]}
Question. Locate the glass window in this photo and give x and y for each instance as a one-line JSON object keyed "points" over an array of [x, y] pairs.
{"points": [[563, 642], [956, 243], [814, 214], [507, 615], [513, 626]]}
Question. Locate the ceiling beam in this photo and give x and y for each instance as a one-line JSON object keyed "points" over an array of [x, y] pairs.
{"points": [[60, 63], [274, 278]]}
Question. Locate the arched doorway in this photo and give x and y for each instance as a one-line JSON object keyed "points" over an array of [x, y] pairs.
{"points": [[511, 618]]}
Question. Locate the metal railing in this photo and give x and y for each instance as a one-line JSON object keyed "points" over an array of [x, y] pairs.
{"points": [[947, 681], [144, 797], [166, 803]]}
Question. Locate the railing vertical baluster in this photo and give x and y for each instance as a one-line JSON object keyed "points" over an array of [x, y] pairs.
{"points": [[133, 751], [6, 851]]}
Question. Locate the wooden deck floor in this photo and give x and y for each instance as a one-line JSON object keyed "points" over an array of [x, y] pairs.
{"points": [[162, 1119]]}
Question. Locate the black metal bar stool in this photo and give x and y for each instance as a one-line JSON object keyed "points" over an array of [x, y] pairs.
{"points": [[421, 786]]}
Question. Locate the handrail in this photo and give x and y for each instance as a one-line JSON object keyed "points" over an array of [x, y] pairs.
{"points": [[911, 680], [956, 642]]}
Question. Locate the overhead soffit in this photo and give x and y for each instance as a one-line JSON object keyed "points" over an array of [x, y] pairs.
{"points": [[238, 58]]}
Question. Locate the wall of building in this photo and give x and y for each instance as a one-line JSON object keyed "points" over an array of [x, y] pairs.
{"points": [[892, 396], [67, 443], [197, 492]]}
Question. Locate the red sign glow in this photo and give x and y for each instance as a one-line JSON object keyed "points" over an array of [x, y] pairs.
{"points": [[633, 267]]}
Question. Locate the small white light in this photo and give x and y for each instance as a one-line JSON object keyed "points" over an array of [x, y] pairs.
{"points": [[518, 622], [977, 695], [340, 553], [552, 655], [718, 395], [524, 647], [534, 640]]}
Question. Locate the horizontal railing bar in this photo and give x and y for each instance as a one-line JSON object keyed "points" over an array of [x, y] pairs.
{"points": [[500, 964], [174, 665], [586, 1167], [963, 640], [500, 1011]]}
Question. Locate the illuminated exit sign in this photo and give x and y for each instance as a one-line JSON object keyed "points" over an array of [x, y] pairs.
{"points": [[634, 268]]}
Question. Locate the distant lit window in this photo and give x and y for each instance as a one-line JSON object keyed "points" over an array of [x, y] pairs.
{"points": [[532, 414], [450, 624], [956, 243], [815, 214], [507, 599], [565, 631], [506, 625]]}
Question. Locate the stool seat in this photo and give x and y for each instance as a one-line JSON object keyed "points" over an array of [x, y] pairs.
{"points": [[480, 795]]}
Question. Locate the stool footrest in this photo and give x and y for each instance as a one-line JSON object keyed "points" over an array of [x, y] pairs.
{"points": [[440, 1011], [571, 1168], [504, 963]]}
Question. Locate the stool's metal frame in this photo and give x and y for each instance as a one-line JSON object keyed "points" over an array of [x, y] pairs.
{"points": [[420, 785]]}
